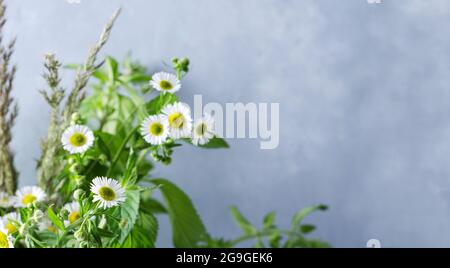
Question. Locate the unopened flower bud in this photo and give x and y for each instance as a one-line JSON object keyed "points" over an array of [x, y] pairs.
{"points": [[102, 223], [38, 215], [79, 235], [75, 118], [78, 194], [167, 160], [185, 61]]}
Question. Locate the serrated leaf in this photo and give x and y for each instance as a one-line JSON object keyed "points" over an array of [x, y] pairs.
{"points": [[129, 211], [144, 232], [187, 227], [242, 222], [151, 205]]}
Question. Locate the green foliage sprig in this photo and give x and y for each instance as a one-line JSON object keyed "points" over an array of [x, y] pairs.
{"points": [[8, 110], [95, 174]]}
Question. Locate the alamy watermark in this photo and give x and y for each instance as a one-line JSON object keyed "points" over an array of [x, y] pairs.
{"points": [[239, 120]]}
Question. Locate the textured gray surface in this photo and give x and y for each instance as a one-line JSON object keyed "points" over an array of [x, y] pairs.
{"points": [[364, 93]]}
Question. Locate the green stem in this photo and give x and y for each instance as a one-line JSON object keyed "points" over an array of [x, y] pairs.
{"points": [[259, 235], [121, 148]]}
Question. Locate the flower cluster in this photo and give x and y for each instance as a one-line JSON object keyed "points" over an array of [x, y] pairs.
{"points": [[175, 121], [106, 192]]}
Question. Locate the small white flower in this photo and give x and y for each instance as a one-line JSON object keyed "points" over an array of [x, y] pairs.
{"points": [[155, 129], [165, 82], [179, 118], [74, 212], [107, 191], [6, 240], [10, 222], [28, 195], [45, 224], [6, 200], [77, 139], [203, 130]]}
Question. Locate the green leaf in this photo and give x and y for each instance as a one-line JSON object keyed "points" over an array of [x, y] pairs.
{"points": [[151, 205], [243, 223], [129, 212], [155, 105], [188, 229], [299, 216], [274, 239], [214, 143], [55, 220], [144, 232], [112, 68], [269, 220], [307, 228]]}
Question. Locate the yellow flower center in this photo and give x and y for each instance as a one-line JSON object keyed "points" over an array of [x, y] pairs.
{"points": [[28, 199], [4, 243], [11, 228], [156, 129], [201, 129], [52, 229], [107, 193], [166, 85], [74, 216], [78, 139], [176, 120]]}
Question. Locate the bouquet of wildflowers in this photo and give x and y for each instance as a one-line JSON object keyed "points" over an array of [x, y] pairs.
{"points": [[94, 184]]}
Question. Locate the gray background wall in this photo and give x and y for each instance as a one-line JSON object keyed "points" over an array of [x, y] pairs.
{"points": [[364, 92]]}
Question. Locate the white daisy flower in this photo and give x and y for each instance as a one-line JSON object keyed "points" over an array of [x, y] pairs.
{"points": [[74, 212], [77, 139], [203, 130], [155, 129], [179, 118], [10, 222], [6, 200], [28, 195], [165, 82], [45, 224], [107, 191], [6, 240]]}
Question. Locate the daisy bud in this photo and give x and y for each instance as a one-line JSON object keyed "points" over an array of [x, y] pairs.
{"points": [[84, 244], [78, 194], [79, 180], [102, 223], [175, 60], [38, 215], [75, 168], [103, 159], [79, 235], [71, 161], [75, 119], [167, 160], [185, 61], [64, 213]]}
